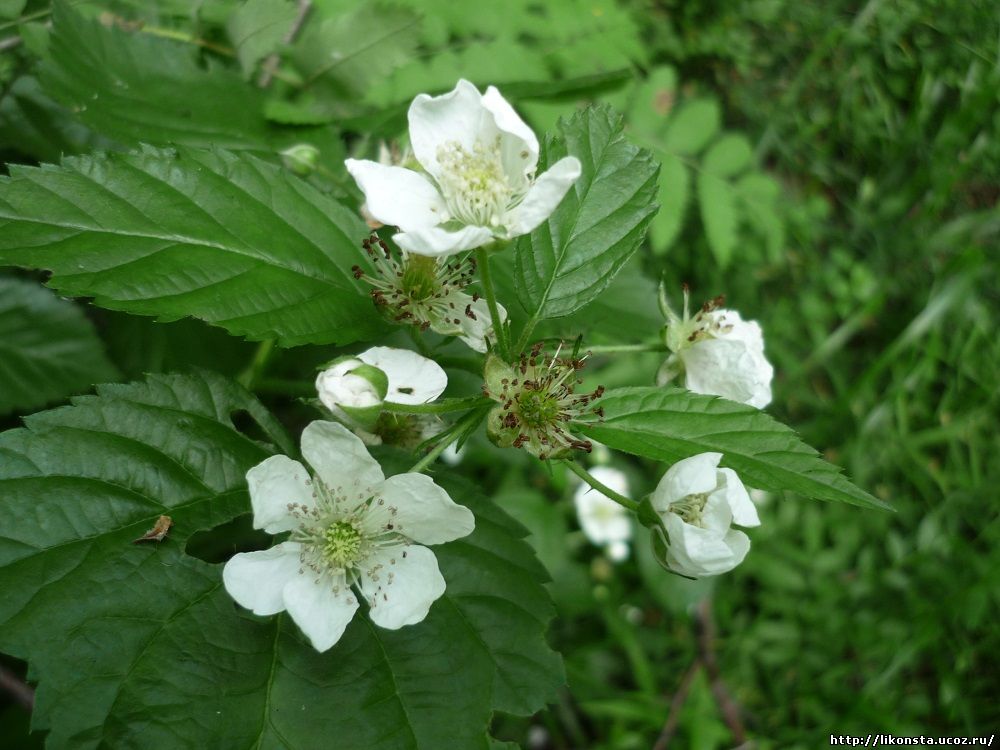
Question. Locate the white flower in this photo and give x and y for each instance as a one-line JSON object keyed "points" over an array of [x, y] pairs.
{"points": [[478, 185], [350, 384], [350, 529], [698, 502], [606, 523], [720, 354]]}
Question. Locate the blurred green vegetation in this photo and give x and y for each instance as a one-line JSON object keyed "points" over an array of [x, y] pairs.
{"points": [[834, 169]]}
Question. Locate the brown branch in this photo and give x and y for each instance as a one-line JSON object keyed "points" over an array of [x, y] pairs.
{"points": [[270, 66], [19, 690], [728, 707], [676, 704]]}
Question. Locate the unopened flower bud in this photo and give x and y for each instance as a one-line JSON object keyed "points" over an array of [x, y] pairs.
{"points": [[302, 159]]}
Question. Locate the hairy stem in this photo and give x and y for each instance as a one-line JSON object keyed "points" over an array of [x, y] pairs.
{"points": [[449, 436], [438, 407]]}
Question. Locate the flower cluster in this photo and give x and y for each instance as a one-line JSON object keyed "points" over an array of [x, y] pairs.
{"points": [[537, 402]]}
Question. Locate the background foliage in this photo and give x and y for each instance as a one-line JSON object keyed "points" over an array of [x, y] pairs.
{"points": [[832, 167]]}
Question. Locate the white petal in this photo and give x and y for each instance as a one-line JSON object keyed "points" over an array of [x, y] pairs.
{"points": [[458, 116], [397, 196], [730, 368], [321, 607], [339, 457], [738, 499], [436, 242], [602, 519], [413, 379], [256, 579], [401, 583], [419, 509], [519, 146], [274, 484], [543, 197], [739, 545], [337, 387], [476, 331], [697, 552], [688, 476]]}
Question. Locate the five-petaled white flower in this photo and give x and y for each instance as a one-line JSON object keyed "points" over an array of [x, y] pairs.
{"points": [[698, 502], [719, 354], [606, 523], [350, 529], [479, 185]]}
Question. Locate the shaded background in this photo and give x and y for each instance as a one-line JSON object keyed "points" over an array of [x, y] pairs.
{"points": [[833, 168]]}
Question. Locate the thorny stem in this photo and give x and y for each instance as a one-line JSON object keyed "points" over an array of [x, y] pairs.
{"points": [[676, 704], [587, 477], [483, 261], [438, 407], [449, 436]]}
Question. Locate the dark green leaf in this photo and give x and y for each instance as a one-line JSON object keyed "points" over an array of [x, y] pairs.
{"points": [[48, 349], [222, 237], [571, 258], [668, 424], [139, 645]]}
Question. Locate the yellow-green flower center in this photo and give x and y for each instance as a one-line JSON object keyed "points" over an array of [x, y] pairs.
{"points": [[341, 544], [474, 184], [691, 508]]}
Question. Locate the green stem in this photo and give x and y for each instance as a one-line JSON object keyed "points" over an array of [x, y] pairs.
{"points": [[438, 407], [483, 261], [627, 348], [522, 342], [249, 377], [449, 436], [587, 477]]}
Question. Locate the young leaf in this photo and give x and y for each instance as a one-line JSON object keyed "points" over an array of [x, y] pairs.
{"points": [[136, 88], [257, 28], [179, 664], [720, 215], [222, 237], [48, 349], [668, 424], [571, 258]]}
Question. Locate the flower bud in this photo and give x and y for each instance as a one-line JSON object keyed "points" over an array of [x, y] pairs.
{"points": [[302, 159], [353, 390]]}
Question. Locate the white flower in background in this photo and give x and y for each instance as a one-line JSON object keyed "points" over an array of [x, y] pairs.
{"points": [[351, 530], [478, 184], [429, 293], [719, 354], [698, 502], [606, 523]]}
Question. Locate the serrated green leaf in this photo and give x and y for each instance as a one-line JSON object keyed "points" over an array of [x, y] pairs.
{"points": [[223, 237], [674, 192], [720, 215], [571, 258], [692, 126], [136, 88], [668, 424], [257, 29], [139, 645], [728, 156], [48, 349]]}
